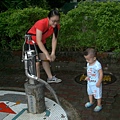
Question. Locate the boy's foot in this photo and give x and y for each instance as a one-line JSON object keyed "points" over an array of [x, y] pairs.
{"points": [[88, 105], [54, 80], [98, 108]]}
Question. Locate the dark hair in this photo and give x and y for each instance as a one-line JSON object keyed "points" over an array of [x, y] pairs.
{"points": [[51, 14], [90, 51]]}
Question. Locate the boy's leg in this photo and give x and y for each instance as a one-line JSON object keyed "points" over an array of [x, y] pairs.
{"points": [[90, 93], [90, 103], [91, 99], [98, 95], [99, 106], [97, 92], [99, 102]]}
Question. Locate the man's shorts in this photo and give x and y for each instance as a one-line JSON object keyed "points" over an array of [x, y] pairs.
{"points": [[33, 48]]}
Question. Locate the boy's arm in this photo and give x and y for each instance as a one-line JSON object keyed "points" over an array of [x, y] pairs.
{"points": [[100, 78]]}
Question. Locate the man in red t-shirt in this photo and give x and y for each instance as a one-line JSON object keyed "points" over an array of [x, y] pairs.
{"points": [[40, 31]]}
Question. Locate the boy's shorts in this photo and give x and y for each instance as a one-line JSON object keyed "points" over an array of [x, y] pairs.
{"points": [[95, 91]]}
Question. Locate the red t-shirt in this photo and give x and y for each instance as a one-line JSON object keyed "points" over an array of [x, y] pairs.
{"points": [[42, 25]]}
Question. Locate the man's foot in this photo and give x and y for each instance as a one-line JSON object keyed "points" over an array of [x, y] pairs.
{"points": [[54, 80]]}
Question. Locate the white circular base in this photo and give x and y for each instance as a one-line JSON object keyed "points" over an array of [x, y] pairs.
{"points": [[10, 109]]}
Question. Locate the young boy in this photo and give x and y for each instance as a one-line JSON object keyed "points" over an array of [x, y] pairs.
{"points": [[94, 79]]}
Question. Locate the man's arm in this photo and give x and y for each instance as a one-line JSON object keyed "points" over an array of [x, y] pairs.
{"points": [[40, 44], [54, 45]]}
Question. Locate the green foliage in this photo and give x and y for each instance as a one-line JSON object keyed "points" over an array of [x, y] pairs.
{"points": [[92, 24], [14, 24], [21, 4], [21, 20]]}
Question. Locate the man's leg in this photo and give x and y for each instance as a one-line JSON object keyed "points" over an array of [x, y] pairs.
{"points": [[38, 69], [46, 65]]}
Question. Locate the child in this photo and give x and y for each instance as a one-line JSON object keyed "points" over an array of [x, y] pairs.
{"points": [[94, 78]]}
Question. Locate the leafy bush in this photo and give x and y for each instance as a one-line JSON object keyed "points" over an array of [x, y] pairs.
{"points": [[21, 4], [92, 24], [14, 24]]}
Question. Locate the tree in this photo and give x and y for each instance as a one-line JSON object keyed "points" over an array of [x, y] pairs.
{"points": [[20, 4], [57, 3]]}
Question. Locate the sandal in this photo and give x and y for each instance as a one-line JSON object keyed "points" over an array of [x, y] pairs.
{"points": [[98, 108], [54, 80], [88, 104]]}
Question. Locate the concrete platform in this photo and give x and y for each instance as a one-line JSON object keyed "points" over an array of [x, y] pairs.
{"points": [[13, 106]]}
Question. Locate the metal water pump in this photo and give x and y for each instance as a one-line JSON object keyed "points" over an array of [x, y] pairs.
{"points": [[34, 87]]}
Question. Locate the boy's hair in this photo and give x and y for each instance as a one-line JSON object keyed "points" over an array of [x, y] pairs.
{"points": [[90, 51]]}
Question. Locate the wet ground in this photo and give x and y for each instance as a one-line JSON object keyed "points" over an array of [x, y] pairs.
{"points": [[12, 76]]}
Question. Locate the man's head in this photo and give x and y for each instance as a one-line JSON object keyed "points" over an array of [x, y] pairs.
{"points": [[54, 17]]}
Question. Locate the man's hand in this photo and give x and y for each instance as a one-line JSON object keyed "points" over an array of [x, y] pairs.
{"points": [[48, 57], [52, 57]]}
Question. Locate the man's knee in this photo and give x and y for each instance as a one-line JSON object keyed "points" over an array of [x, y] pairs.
{"points": [[37, 64]]}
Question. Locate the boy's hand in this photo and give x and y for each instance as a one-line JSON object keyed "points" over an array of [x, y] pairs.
{"points": [[87, 78], [98, 84]]}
